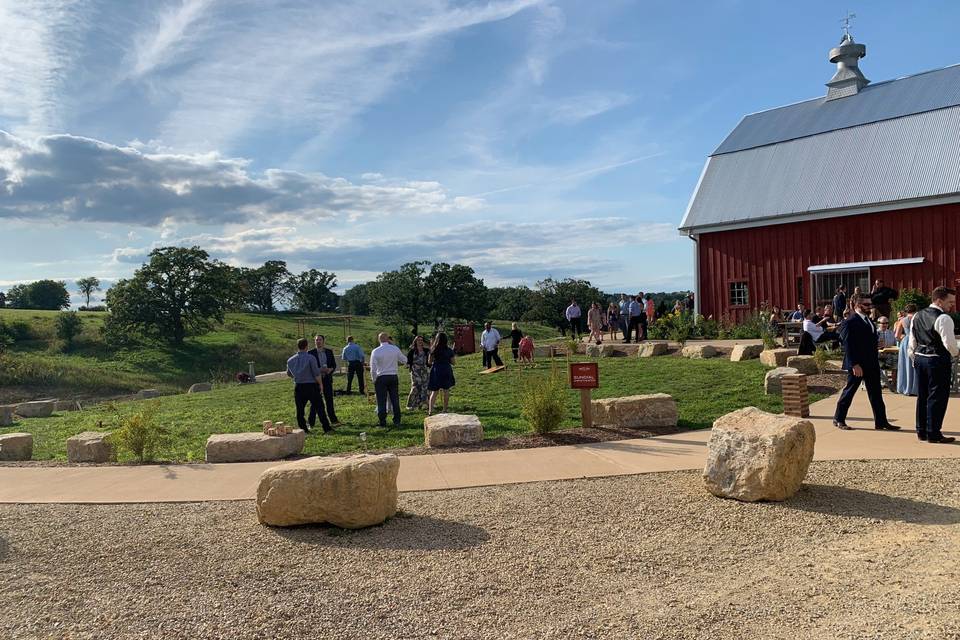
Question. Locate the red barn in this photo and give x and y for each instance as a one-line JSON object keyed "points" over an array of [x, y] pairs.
{"points": [[860, 184]]}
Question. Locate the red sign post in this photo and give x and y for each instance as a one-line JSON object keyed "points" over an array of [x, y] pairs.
{"points": [[585, 376]]}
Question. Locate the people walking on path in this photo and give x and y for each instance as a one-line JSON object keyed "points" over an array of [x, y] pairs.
{"points": [[442, 358], [526, 350], [613, 319], [327, 366], [906, 375], [862, 363], [932, 347], [305, 371], [418, 361], [595, 323], [624, 317], [637, 317], [572, 314], [353, 355], [385, 362], [515, 337], [489, 342]]}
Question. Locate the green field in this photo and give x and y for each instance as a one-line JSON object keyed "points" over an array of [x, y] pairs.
{"points": [[704, 390]]}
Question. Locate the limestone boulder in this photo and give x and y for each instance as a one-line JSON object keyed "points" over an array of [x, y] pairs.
{"points": [[592, 350], [803, 364], [743, 352], [90, 446], [16, 446], [651, 349], [699, 351], [447, 429], [6, 414], [271, 377], [635, 412], [354, 492], [776, 357], [754, 455], [36, 409], [608, 351], [200, 387], [148, 393], [543, 352], [253, 447], [772, 382]]}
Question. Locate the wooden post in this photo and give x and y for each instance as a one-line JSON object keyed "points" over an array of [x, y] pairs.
{"points": [[586, 411]]}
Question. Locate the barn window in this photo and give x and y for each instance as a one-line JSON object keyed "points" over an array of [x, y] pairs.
{"points": [[739, 296]]}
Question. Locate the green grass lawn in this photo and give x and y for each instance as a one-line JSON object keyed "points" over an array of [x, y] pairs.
{"points": [[704, 390]]}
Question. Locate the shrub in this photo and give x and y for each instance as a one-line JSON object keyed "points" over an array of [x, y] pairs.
{"points": [[678, 327], [907, 296], [571, 345], [139, 433], [6, 336], [69, 325], [543, 404], [820, 358]]}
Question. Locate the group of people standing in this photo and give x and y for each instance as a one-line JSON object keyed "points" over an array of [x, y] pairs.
{"points": [[630, 316]]}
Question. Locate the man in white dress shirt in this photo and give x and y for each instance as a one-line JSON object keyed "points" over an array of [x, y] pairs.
{"points": [[385, 362], [489, 341], [572, 314], [932, 347]]}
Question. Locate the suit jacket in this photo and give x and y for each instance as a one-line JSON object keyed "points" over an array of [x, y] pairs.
{"points": [[859, 340], [331, 362]]}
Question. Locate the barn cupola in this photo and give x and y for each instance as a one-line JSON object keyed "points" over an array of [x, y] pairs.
{"points": [[848, 80]]}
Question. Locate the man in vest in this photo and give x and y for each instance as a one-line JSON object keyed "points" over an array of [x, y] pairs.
{"points": [[932, 346]]}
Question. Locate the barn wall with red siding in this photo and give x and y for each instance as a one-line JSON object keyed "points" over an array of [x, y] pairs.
{"points": [[772, 258]]}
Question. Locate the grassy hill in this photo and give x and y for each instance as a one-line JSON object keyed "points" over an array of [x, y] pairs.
{"points": [[38, 366]]}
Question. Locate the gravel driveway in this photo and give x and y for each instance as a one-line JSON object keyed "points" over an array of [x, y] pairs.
{"points": [[866, 550]]}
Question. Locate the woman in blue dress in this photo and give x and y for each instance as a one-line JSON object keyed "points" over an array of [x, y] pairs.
{"points": [[442, 358], [906, 377]]}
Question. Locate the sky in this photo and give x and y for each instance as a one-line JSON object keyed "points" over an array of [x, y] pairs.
{"points": [[525, 138]]}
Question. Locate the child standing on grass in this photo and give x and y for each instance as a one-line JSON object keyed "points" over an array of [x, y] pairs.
{"points": [[526, 350]]}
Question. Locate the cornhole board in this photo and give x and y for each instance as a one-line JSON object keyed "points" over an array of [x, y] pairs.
{"points": [[494, 369]]}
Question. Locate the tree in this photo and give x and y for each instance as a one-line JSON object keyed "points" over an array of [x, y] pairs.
{"points": [[3, 299], [553, 296], [69, 325], [355, 301], [87, 287], [42, 294], [268, 285], [313, 291], [510, 303], [453, 291], [399, 297], [177, 293]]}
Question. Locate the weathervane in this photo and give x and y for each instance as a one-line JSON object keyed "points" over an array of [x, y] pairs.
{"points": [[846, 23]]}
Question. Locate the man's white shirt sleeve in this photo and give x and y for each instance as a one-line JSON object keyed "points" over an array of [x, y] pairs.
{"points": [[944, 326]]}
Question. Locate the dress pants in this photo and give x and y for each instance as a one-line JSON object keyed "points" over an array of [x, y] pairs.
{"points": [[575, 329], [933, 392], [327, 400], [489, 357], [355, 368], [304, 392], [387, 386], [871, 379], [635, 328]]}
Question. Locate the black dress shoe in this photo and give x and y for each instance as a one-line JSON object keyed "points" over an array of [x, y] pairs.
{"points": [[922, 436], [306, 429], [842, 425], [887, 427], [941, 440]]}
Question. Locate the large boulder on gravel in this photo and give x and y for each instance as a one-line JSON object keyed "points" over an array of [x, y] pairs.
{"points": [[699, 351], [200, 387], [253, 447], [6, 415], [776, 357], [90, 446], [447, 429], [650, 349], [633, 412], [36, 409], [803, 364], [772, 383], [754, 455], [743, 352], [354, 492], [16, 446]]}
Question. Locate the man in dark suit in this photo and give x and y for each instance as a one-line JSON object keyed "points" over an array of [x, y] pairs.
{"points": [[859, 337], [327, 366]]}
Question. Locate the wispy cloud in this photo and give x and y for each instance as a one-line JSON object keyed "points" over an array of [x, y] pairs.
{"points": [[160, 45]]}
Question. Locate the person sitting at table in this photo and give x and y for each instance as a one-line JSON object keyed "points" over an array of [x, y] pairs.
{"points": [[827, 317], [775, 319], [798, 315], [885, 336], [816, 330]]}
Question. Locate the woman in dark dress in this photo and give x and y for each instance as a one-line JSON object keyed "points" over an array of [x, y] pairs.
{"points": [[442, 358], [515, 337]]}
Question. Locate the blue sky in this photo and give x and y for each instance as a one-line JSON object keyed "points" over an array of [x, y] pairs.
{"points": [[525, 138]]}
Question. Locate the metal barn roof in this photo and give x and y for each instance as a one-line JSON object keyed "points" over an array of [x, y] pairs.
{"points": [[892, 142]]}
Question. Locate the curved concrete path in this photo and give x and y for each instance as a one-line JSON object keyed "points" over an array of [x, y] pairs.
{"points": [[682, 451]]}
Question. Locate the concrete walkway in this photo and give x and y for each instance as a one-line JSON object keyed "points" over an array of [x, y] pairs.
{"points": [[201, 482]]}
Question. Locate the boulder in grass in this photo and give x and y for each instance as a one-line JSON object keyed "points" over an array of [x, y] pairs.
{"points": [[200, 387], [448, 429], [776, 357], [773, 383], [253, 447], [651, 349], [6, 414], [609, 351], [699, 351], [35, 409], [754, 455], [354, 492], [90, 446], [803, 364], [545, 351], [16, 446], [148, 393], [592, 351], [634, 412], [743, 352]]}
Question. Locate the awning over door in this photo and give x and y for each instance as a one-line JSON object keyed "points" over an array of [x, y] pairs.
{"points": [[859, 266]]}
